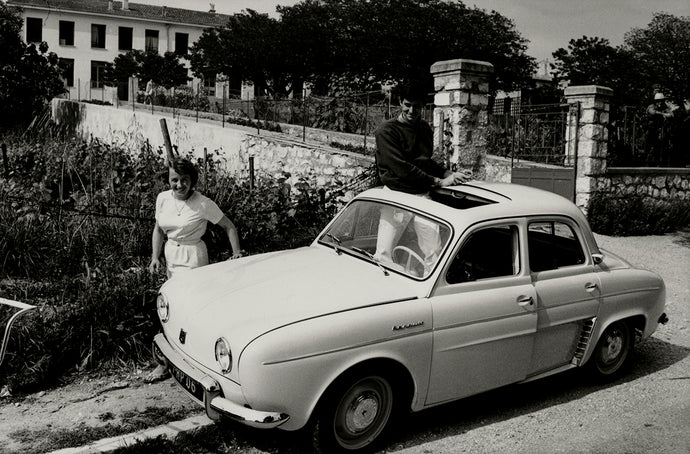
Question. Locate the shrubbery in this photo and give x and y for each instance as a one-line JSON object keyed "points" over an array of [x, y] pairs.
{"points": [[635, 215], [75, 238]]}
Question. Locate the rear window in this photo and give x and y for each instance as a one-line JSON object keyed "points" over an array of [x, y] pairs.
{"points": [[553, 245]]}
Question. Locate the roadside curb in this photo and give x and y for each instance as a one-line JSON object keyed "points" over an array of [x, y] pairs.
{"points": [[169, 430]]}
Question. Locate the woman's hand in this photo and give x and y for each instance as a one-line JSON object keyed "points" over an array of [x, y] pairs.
{"points": [[154, 266]]}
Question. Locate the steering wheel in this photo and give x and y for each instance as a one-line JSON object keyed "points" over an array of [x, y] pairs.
{"points": [[407, 264]]}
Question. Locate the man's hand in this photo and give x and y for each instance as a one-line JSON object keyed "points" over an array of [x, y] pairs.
{"points": [[462, 176], [455, 178]]}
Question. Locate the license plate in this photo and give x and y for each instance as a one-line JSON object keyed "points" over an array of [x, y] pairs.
{"points": [[192, 386]]}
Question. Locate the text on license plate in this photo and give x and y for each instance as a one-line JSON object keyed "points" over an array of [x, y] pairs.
{"points": [[192, 386]]}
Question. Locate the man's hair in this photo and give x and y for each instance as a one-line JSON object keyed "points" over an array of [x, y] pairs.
{"points": [[413, 91], [184, 167]]}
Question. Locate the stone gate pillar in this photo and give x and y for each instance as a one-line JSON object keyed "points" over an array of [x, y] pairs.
{"points": [[460, 113], [587, 137]]}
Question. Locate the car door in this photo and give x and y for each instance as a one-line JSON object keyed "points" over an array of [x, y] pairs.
{"points": [[567, 286], [484, 314]]}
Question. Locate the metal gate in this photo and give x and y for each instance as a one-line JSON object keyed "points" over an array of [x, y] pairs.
{"points": [[535, 138]]}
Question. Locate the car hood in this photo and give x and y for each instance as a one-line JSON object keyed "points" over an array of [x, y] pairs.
{"points": [[242, 299]]}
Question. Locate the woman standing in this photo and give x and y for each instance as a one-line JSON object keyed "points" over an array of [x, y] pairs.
{"points": [[182, 215]]}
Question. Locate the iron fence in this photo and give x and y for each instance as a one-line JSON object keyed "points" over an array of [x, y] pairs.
{"points": [[534, 132], [637, 139]]}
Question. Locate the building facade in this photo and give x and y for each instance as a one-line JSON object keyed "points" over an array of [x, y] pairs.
{"points": [[87, 34]]}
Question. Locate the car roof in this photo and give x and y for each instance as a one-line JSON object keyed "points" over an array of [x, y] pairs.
{"points": [[477, 201]]}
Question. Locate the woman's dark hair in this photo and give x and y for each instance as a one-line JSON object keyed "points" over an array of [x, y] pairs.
{"points": [[185, 167]]}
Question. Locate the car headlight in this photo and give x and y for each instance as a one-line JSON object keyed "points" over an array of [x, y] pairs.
{"points": [[162, 308], [223, 355]]}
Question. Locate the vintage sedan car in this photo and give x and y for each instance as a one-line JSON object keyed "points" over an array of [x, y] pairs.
{"points": [[340, 338]]}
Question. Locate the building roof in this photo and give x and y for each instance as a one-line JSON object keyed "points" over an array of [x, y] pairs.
{"points": [[135, 11]]}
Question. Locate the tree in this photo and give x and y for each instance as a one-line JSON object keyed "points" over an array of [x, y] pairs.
{"points": [[249, 46], [656, 58], [662, 55], [364, 42], [29, 75], [165, 70], [593, 61]]}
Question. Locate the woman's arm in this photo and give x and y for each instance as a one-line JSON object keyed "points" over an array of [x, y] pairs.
{"points": [[156, 246], [234, 238]]}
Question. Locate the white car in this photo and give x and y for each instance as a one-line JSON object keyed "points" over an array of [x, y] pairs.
{"points": [[337, 339]]}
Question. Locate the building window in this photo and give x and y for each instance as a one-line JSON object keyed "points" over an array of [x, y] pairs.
{"points": [[34, 29], [67, 67], [97, 70], [210, 83], [124, 38], [98, 36], [181, 43], [66, 33], [151, 42]]}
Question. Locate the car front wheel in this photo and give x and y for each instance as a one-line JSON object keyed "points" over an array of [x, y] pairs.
{"points": [[612, 350], [354, 415]]}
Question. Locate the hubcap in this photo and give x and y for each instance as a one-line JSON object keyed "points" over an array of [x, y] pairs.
{"points": [[614, 347], [361, 413]]}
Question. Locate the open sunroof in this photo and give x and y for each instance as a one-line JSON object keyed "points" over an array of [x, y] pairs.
{"points": [[458, 199]]}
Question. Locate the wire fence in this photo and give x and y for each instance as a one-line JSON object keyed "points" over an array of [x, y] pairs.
{"points": [[353, 113]]}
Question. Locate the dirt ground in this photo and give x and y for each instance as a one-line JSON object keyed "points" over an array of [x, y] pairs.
{"points": [[91, 401], [551, 415]]}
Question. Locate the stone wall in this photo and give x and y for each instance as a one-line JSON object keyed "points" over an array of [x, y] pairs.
{"points": [[648, 183], [273, 153]]}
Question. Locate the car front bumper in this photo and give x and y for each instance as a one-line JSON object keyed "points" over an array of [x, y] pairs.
{"points": [[210, 395]]}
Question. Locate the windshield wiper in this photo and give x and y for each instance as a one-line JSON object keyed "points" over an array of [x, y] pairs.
{"points": [[370, 256], [336, 243]]}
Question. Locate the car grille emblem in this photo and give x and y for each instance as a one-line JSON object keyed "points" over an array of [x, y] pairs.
{"points": [[183, 336]]}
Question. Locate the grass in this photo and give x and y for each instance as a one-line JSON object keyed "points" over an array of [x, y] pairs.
{"points": [[49, 439]]}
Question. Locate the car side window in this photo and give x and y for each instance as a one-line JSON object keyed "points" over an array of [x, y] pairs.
{"points": [[552, 245], [487, 253]]}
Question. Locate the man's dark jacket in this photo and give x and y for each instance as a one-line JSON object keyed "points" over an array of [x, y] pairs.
{"points": [[403, 156]]}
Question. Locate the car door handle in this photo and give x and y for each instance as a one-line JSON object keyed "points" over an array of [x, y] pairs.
{"points": [[590, 286], [525, 301]]}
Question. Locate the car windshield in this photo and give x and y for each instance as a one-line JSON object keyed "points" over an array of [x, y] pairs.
{"points": [[392, 237]]}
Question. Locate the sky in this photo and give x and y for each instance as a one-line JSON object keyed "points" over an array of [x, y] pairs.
{"points": [[547, 24]]}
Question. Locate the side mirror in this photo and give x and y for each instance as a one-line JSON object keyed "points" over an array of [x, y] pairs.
{"points": [[598, 258]]}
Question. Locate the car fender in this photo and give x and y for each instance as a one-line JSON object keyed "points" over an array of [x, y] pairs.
{"points": [[629, 294], [289, 369]]}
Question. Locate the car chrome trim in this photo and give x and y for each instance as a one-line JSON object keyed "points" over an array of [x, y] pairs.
{"points": [[547, 373], [214, 402], [484, 320], [348, 347], [585, 337], [631, 290], [247, 416]]}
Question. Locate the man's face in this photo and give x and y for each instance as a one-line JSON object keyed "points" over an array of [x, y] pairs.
{"points": [[411, 110]]}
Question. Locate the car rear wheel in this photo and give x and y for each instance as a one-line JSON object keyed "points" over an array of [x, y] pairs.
{"points": [[354, 415], [612, 350]]}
